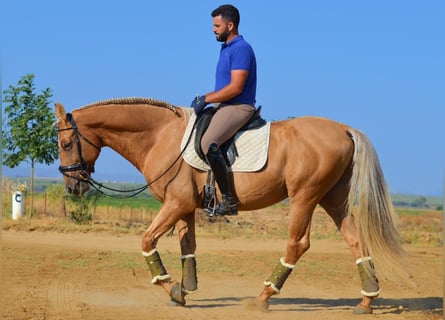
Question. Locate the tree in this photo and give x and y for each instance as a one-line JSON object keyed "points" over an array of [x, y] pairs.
{"points": [[420, 202], [28, 133]]}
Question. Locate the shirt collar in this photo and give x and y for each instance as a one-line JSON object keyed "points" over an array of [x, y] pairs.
{"points": [[234, 40]]}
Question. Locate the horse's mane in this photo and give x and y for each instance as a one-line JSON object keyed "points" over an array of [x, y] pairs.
{"points": [[132, 100]]}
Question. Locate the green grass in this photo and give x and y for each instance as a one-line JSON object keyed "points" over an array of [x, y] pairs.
{"points": [[416, 212], [409, 212], [141, 201]]}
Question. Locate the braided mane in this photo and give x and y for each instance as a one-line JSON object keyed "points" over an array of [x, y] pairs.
{"points": [[132, 100]]}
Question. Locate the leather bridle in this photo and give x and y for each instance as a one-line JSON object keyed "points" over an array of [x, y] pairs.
{"points": [[82, 166]]}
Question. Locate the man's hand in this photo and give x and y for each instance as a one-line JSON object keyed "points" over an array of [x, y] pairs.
{"points": [[198, 104]]}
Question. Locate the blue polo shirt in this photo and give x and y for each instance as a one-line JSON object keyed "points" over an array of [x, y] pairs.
{"points": [[237, 55]]}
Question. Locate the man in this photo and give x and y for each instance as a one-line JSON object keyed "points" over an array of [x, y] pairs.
{"points": [[235, 91]]}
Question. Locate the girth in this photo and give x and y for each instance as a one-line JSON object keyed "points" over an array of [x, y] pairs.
{"points": [[228, 149]]}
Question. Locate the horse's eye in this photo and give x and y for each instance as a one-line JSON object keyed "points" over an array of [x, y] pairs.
{"points": [[66, 145]]}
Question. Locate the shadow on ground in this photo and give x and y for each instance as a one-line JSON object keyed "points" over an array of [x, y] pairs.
{"points": [[432, 305]]}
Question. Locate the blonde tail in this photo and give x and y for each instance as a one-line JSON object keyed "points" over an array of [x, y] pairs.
{"points": [[370, 204]]}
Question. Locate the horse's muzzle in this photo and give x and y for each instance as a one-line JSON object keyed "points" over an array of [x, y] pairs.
{"points": [[76, 187]]}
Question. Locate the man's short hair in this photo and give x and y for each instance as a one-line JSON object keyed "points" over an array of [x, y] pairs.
{"points": [[228, 13]]}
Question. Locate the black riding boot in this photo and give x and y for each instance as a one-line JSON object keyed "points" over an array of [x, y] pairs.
{"points": [[229, 203]]}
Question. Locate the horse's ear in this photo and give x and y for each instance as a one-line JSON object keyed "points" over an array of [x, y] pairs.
{"points": [[60, 111]]}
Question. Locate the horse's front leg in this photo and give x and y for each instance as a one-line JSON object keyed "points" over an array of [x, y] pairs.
{"points": [[187, 240], [164, 221], [189, 280]]}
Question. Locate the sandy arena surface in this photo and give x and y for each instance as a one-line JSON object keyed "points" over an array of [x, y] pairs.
{"points": [[50, 275]]}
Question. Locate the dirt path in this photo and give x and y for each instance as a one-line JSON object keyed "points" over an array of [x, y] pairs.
{"points": [[101, 276]]}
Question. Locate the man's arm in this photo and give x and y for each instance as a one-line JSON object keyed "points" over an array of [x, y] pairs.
{"points": [[234, 88]]}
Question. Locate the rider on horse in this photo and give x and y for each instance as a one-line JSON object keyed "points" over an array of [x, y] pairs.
{"points": [[235, 90]]}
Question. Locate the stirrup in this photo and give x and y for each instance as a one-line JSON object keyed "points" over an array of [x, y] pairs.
{"points": [[209, 200], [227, 207], [211, 207]]}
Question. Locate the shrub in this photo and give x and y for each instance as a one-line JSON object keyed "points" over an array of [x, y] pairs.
{"points": [[83, 208]]}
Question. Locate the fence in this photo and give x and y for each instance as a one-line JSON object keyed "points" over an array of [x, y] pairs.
{"points": [[48, 206]]}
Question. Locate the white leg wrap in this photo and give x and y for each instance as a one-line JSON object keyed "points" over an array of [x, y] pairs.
{"points": [[360, 260], [370, 294], [188, 256], [161, 277], [270, 284], [146, 254], [287, 265]]}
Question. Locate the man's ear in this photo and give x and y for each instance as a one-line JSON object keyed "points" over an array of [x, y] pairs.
{"points": [[231, 26]]}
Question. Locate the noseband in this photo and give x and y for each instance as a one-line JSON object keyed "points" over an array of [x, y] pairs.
{"points": [[81, 166]]}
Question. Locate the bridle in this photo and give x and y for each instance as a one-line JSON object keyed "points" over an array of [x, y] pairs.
{"points": [[83, 167]]}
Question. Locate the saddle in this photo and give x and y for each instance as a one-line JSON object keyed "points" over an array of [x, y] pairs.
{"points": [[228, 149]]}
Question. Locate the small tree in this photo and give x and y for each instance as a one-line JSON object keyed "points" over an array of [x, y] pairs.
{"points": [[27, 131], [84, 207]]}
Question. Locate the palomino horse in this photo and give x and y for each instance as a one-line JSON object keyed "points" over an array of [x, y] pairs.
{"points": [[311, 161]]}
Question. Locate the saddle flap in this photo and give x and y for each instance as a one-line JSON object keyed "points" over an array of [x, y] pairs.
{"points": [[228, 149], [251, 147]]}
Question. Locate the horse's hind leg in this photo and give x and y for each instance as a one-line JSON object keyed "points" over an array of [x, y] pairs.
{"points": [[298, 243], [335, 205]]}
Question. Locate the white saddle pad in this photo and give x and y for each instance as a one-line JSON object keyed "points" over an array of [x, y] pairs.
{"points": [[252, 147]]}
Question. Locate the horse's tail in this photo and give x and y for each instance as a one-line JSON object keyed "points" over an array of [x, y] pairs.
{"points": [[370, 203]]}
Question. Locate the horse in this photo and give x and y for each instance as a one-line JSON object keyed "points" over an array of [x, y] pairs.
{"points": [[311, 161]]}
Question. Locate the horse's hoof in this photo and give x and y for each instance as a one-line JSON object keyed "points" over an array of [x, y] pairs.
{"points": [[177, 297], [361, 309], [255, 304], [173, 303], [262, 306]]}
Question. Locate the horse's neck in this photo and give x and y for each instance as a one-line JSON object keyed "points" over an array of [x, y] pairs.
{"points": [[139, 134]]}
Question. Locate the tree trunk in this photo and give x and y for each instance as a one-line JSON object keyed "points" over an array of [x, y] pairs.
{"points": [[31, 188]]}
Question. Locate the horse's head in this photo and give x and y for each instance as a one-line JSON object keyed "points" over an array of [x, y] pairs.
{"points": [[77, 152]]}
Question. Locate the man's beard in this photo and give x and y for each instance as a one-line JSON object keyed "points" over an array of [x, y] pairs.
{"points": [[223, 36]]}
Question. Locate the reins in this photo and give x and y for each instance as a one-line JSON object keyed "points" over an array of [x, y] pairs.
{"points": [[82, 166]]}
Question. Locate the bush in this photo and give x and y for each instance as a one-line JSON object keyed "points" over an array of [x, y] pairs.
{"points": [[83, 208]]}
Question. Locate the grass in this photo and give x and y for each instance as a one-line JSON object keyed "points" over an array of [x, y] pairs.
{"points": [[143, 201], [421, 227], [416, 212]]}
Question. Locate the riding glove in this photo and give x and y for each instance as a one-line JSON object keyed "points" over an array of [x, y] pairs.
{"points": [[198, 104]]}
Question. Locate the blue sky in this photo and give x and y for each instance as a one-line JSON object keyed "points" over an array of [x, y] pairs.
{"points": [[378, 66]]}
